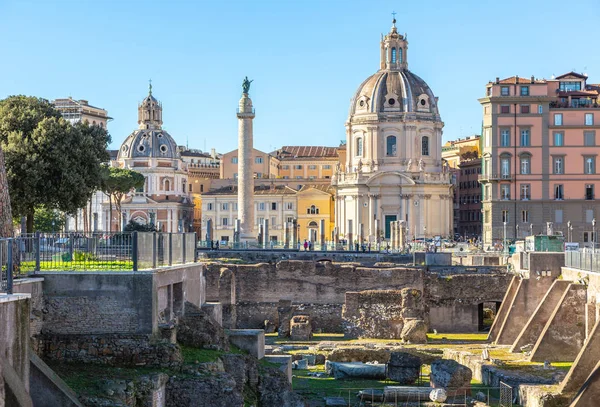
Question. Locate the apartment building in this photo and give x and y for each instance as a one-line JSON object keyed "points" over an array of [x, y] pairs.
{"points": [[76, 111], [539, 155]]}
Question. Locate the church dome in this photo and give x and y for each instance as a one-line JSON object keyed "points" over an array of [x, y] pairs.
{"points": [[149, 140], [151, 143], [393, 91]]}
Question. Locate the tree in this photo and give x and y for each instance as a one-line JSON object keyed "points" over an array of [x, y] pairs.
{"points": [[6, 221], [48, 220], [116, 183], [49, 162]]}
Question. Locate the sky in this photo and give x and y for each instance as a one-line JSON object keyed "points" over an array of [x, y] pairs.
{"points": [[306, 57]]}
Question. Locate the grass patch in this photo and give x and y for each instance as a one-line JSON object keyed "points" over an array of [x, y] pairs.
{"points": [[85, 379], [87, 265], [198, 355], [479, 337]]}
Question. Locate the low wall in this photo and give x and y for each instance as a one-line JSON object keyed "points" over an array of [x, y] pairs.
{"points": [[273, 256], [113, 350], [33, 287], [87, 303], [14, 335], [99, 303]]}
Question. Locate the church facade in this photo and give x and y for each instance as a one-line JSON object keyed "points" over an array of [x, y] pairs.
{"points": [[394, 169], [165, 199]]}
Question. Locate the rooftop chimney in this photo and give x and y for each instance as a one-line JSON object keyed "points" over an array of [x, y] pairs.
{"points": [[497, 79], [532, 79]]}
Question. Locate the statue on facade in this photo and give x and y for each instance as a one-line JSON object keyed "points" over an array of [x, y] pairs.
{"points": [[409, 165], [372, 165], [246, 85], [359, 166], [338, 168], [421, 165]]}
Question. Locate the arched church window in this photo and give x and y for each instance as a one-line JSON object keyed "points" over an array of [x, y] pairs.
{"points": [[400, 55], [393, 55], [359, 147], [425, 145], [312, 210], [391, 146], [167, 185]]}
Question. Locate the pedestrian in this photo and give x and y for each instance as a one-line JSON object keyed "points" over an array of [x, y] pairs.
{"points": [[212, 245], [305, 245], [356, 246], [369, 246], [217, 245], [310, 246]]}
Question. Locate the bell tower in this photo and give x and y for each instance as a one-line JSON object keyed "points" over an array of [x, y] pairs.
{"points": [[394, 49], [150, 111]]}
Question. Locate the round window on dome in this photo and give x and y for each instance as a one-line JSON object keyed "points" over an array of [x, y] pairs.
{"points": [[163, 148], [423, 102], [141, 148], [361, 103], [124, 148], [391, 102]]}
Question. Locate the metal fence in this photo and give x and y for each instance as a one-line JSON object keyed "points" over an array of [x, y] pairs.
{"points": [[588, 260], [32, 253], [506, 395], [400, 396]]}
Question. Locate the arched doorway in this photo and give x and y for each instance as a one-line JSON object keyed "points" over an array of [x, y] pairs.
{"points": [[313, 231]]}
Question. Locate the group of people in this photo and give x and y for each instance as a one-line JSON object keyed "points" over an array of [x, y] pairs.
{"points": [[214, 245]]}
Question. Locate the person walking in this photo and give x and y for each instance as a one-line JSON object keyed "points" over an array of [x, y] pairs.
{"points": [[305, 245], [310, 246]]}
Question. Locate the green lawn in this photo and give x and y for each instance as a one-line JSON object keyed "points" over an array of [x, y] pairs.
{"points": [[87, 265]]}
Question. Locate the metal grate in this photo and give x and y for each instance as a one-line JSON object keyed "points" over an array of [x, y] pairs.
{"points": [[506, 395]]}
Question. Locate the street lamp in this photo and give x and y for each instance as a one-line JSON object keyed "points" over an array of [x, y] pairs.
{"points": [[569, 229], [504, 239], [594, 232]]}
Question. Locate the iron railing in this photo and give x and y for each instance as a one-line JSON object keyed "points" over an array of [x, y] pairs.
{"points": [[587, 259], [133, 251]]}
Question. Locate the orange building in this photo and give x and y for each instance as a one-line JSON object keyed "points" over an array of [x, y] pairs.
{"points": [[539, 153]]}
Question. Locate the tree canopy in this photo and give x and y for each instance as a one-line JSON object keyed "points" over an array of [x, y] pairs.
{"points": [[49, 162], [48, 220], [116, 182]]}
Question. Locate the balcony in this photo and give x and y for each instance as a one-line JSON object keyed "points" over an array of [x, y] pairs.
{"points": [[566, 105], [494, 177]]}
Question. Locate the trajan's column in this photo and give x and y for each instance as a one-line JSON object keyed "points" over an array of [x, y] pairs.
{"points": [[245, 115]]}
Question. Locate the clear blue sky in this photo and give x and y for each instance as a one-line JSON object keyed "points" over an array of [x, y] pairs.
{"points": [[307, 57]]}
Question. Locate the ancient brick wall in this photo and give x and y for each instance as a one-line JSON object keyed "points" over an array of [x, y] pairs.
{"points": [[100, 303], [113, 350], [321, 288], [120, 302]]}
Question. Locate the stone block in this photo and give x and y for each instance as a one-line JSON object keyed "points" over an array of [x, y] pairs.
{"points": [[284, 362], [449, 374], [403, 368], [375, 371], [284, 313], [414, 331], [250, 340], [215, 310], [300, 328], [301, 364]]}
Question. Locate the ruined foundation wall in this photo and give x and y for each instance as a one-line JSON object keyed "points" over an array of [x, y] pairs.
{"points": [[320, 289]]}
